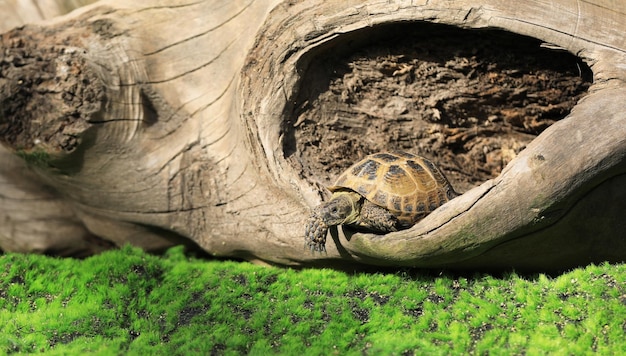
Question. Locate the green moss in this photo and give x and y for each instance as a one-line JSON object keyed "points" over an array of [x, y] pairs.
{"points": [[133, 303], [36, 156]]}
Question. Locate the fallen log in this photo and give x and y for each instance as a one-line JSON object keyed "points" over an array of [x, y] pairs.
{"points": [[164, 122]]}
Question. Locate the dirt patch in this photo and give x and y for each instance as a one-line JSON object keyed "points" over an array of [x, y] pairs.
{"points": [[470, 100]]}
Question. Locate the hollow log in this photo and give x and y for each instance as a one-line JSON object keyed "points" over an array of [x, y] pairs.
{"points": [[164, 122]]}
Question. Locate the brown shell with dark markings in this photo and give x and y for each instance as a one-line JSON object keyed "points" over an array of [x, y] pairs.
{"points": [[407, 185]]}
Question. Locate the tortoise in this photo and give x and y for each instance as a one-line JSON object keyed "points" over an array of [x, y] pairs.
{"points": [[383, 192]]}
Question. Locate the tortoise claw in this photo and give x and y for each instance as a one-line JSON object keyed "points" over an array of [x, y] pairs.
{"points": [[315, 246]]}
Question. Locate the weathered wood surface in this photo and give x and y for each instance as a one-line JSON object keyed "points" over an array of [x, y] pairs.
{"points": [[174, 132]]}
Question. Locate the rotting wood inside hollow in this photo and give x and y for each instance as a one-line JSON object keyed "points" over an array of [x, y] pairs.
{"points": [[470, 100]]}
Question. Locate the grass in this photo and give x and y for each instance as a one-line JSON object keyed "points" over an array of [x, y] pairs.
{"points": [[130, 302]]}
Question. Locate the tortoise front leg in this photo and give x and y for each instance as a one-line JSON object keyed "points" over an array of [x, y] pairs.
{"points": [[316, 229]]}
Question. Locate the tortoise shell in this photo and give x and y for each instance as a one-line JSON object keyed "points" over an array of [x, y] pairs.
{"points": [[407, 185]]}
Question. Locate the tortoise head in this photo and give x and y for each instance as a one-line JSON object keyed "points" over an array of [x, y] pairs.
{"points": [[343, 208]]}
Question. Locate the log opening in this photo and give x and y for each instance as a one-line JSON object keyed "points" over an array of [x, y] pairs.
{"points": [[469, 100]]}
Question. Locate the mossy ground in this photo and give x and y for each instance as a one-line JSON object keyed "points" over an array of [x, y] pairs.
{"points": [[130, 302]]}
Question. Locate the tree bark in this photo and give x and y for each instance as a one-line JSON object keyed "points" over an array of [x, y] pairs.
{"points": [[33, 217], [161, 122]]}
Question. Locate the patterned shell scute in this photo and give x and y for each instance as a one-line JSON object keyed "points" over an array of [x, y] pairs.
{"points": [[407, 185]]}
